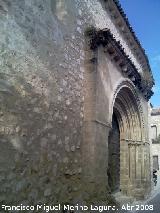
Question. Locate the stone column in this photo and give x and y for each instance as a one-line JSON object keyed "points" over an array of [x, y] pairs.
{"points": [[138, 164], [147, 173], [124, 166], [135, 169], [131, 163], [139, 189], [138, 169], [132, 167]]}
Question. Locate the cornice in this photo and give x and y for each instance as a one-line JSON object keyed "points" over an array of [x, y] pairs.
{"points": [[117, 14], [116, 51]]}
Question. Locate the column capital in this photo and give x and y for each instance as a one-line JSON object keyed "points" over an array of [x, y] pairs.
{"points": [[132, 142]]}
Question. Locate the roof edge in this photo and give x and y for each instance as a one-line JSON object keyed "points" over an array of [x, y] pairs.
{"points": [[124, 16]]}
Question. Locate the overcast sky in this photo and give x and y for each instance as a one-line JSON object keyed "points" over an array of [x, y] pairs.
{"points": [[144, 17]]}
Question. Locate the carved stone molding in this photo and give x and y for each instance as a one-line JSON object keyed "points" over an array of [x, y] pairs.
{"points": [[134, 143], [116, 51], [131, 142]]}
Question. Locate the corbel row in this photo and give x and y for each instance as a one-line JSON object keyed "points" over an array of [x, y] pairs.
{"points": [[118, 55]]}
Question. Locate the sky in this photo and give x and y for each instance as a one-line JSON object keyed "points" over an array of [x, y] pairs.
{"points": [[144, 17]]}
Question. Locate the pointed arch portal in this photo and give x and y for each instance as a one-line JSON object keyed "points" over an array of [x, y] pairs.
{"points": [[126, 153]]}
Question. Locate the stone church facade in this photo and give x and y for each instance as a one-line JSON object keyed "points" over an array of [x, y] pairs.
{"points": [[74, 88]]}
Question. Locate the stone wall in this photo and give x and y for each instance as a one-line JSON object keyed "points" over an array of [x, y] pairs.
{"points": [[41, 69]]}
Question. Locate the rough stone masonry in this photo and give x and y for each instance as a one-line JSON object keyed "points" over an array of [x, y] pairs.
{"points": [[62, 77]]}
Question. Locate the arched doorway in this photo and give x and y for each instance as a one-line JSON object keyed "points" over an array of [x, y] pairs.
{"points": [[125, 159], [114, 156]]}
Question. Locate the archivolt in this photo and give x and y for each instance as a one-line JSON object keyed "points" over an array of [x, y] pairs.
{"points": [[127, 107]]}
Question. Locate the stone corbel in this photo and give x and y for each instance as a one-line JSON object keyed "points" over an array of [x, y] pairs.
{"points": [[104, 37]]}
